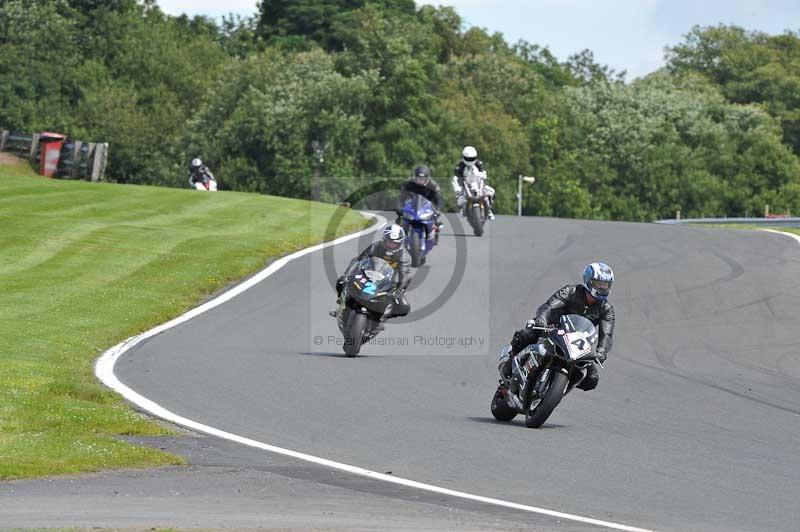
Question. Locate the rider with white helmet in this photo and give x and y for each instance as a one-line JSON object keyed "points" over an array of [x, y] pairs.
{"points": [[391, 249], [199, 173], [589, 299], [469, 166]]}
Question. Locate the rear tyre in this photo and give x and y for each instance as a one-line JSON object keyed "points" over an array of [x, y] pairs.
{"points": [[415, 246], [500, 409], [555, 391], [354, 335]]}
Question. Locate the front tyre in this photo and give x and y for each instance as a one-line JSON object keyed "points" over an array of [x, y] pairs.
{"points": [[476, 219], [500, 409], [354, 334], [552, 396], [415, 248]]}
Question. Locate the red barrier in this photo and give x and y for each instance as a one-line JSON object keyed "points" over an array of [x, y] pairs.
{"points": [[51, 144]]}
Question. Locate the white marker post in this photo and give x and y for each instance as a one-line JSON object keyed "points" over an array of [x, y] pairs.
{"points": [[527, 179]]}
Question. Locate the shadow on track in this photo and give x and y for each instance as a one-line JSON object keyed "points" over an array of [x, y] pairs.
{"points": [[333, 355], [516, 422]]}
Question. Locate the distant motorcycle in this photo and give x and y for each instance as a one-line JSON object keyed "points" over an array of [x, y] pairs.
{"points": [[475, 201], [366, 301], [543, 373], [417, 219], [209, 185]]}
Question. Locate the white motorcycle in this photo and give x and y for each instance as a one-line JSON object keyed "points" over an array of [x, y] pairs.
{"points": [[473, 199]]}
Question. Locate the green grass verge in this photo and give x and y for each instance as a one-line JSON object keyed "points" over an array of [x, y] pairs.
{"points": [[86, 265], [794, 230], [748, 227]]}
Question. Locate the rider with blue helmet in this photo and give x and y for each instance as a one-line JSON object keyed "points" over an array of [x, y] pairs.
{"points": [[589, 299]]}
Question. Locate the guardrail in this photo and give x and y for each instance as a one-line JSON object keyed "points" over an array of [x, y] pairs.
{"points": [[766, 222], [79, 160]]}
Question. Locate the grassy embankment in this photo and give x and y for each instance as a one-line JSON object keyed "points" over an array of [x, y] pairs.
{"points": [[84, 266], [794, 230]]}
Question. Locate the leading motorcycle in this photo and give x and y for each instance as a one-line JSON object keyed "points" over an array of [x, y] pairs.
{"points": [[475, 201], [544, 372], [366, 301]]}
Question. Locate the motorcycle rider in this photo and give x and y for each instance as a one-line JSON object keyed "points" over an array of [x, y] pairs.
{"points": [[590, 300], [424, 185], [199, 173], [471, 165], [391, 249]]}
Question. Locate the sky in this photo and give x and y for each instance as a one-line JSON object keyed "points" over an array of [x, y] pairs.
{"points": [[626, 35]]}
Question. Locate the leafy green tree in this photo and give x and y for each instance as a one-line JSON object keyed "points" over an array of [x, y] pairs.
{"points": [[263, 115], [314, 19], [655, 146], [749, 67], [38, 63]]}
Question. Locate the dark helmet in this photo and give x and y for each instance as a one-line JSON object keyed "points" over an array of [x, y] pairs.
{"points": [[597, 279], [422, 175]]}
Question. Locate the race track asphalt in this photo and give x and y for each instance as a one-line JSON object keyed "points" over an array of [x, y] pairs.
{"points": [[695, 424]]}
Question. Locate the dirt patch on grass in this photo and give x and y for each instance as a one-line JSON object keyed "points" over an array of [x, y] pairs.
{"points": [[7, 158]]}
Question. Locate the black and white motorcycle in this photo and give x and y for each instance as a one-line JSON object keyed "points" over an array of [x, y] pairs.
{"points": [[476, 198], [544, 372]]}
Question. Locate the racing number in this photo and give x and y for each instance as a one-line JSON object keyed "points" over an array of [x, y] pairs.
{"points": [[580, 343]]}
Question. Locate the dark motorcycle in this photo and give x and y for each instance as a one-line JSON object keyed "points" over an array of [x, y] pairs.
{"points": [[475, 208], [366, 301], [544, 372]]}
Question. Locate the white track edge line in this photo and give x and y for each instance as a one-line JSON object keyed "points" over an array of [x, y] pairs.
{"points": [[790, 235], [104, 370]]}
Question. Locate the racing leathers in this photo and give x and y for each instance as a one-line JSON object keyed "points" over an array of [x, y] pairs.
{"points": [[400, 260], [570, 299], [461, 172], [431, 191], [201, 175]]}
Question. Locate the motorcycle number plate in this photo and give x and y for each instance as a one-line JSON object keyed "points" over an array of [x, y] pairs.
{"points": [[580, 344]]}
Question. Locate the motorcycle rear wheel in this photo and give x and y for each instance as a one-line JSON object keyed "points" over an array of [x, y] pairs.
{"points": [[500, 409]]}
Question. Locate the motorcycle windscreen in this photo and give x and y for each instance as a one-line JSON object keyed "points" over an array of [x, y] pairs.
{"points": [[578, 336], [420, 207], [376, 276]]}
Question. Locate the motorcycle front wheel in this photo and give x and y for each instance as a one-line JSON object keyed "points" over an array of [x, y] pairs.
{"points": [[476, 220], [535, 417], [416, 249], [354, 334]]}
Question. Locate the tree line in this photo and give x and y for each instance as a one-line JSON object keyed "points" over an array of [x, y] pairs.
{"points": [[386, 85]]}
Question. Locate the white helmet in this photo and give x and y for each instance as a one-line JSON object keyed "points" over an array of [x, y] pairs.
{"points": [[469, 155], [393, 236], [196, 163]]}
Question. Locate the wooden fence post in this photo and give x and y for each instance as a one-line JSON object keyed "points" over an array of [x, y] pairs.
{"points": [[76, 153], [99, 162], [3, 139], [34, 147]]}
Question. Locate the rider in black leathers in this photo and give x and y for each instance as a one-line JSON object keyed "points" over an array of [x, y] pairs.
{"points": [[398, 258], [424, 185], [573, 299]]}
